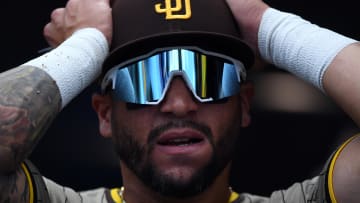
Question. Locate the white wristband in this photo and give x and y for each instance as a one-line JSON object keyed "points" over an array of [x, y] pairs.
{"points": [[76, 63], [296, 45]]}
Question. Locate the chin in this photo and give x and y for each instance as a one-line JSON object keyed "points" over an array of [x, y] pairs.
{"points": [[180, 181], [181, 175]]}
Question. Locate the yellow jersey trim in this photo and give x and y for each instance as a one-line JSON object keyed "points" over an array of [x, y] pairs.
{"points": [[28, 178], [233, 196], [332, 167], [115, 195]]}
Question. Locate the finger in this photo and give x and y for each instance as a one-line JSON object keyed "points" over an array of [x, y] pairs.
{"points": [[71, 5], [47, 34], [51, 35], [106, 1], [57, 15]]}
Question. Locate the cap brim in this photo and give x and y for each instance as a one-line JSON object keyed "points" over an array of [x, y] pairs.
{"points": [[227, 45]]}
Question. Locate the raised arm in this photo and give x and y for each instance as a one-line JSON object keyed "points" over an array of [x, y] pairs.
{"points": [[32, 94], [342, 80], [336, 68], [324, 58]]}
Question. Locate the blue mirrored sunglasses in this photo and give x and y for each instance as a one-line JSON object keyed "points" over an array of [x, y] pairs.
{"points": [[145, 80]]}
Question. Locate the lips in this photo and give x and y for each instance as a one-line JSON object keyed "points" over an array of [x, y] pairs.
{"points": [[177, 141], [180, 138]]}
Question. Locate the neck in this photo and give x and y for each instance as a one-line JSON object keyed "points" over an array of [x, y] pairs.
{"points": [[136, 192]]}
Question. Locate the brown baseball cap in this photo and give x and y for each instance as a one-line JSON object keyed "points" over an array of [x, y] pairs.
{"points": [[140, 26]]}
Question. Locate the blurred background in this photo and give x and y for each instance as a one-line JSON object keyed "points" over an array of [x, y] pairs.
{"points": [[294, 130]]}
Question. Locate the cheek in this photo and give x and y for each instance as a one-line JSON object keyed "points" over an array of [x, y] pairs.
{"points": [[223, 119], [137, 122]]}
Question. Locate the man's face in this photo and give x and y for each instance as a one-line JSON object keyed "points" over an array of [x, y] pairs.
{"points": [[177, 147]]}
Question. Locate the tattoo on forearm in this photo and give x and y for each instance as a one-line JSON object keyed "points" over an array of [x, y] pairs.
{"points": [[29, 102]]}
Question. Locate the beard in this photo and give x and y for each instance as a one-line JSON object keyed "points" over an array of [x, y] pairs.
{"points": [[136, 158]]}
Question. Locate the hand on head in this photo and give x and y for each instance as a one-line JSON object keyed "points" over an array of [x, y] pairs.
{"points": [[76, 15], [248, 15]]}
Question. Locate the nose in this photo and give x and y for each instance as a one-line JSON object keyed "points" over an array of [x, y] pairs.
{"points": [[179, 100]]}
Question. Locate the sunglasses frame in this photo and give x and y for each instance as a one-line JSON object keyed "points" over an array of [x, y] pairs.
{"points": [[111, 76]]}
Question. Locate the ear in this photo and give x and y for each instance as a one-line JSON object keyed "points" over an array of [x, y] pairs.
{"points": [[102, 106], [246, 95]]}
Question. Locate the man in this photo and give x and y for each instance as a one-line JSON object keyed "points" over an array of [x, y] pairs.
{"points": [[175, 140]]}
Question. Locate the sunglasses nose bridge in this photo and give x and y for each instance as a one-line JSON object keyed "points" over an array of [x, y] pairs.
{"points": [[186, 83], [178, 98]]}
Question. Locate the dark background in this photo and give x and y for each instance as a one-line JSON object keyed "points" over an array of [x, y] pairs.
{"points": [[295, 127]]}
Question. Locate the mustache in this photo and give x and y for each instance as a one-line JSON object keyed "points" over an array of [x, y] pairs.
{"points": [[156, 132]]}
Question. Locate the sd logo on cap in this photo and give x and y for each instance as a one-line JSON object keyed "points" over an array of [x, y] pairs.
{"points": [[141, 26]]}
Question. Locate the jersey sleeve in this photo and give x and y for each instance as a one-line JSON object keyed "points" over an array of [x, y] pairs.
{"points": [[61, 194], [37, 188], [308, 191], [303, 192], [44, 190], [330, 170], [316, 190]]}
